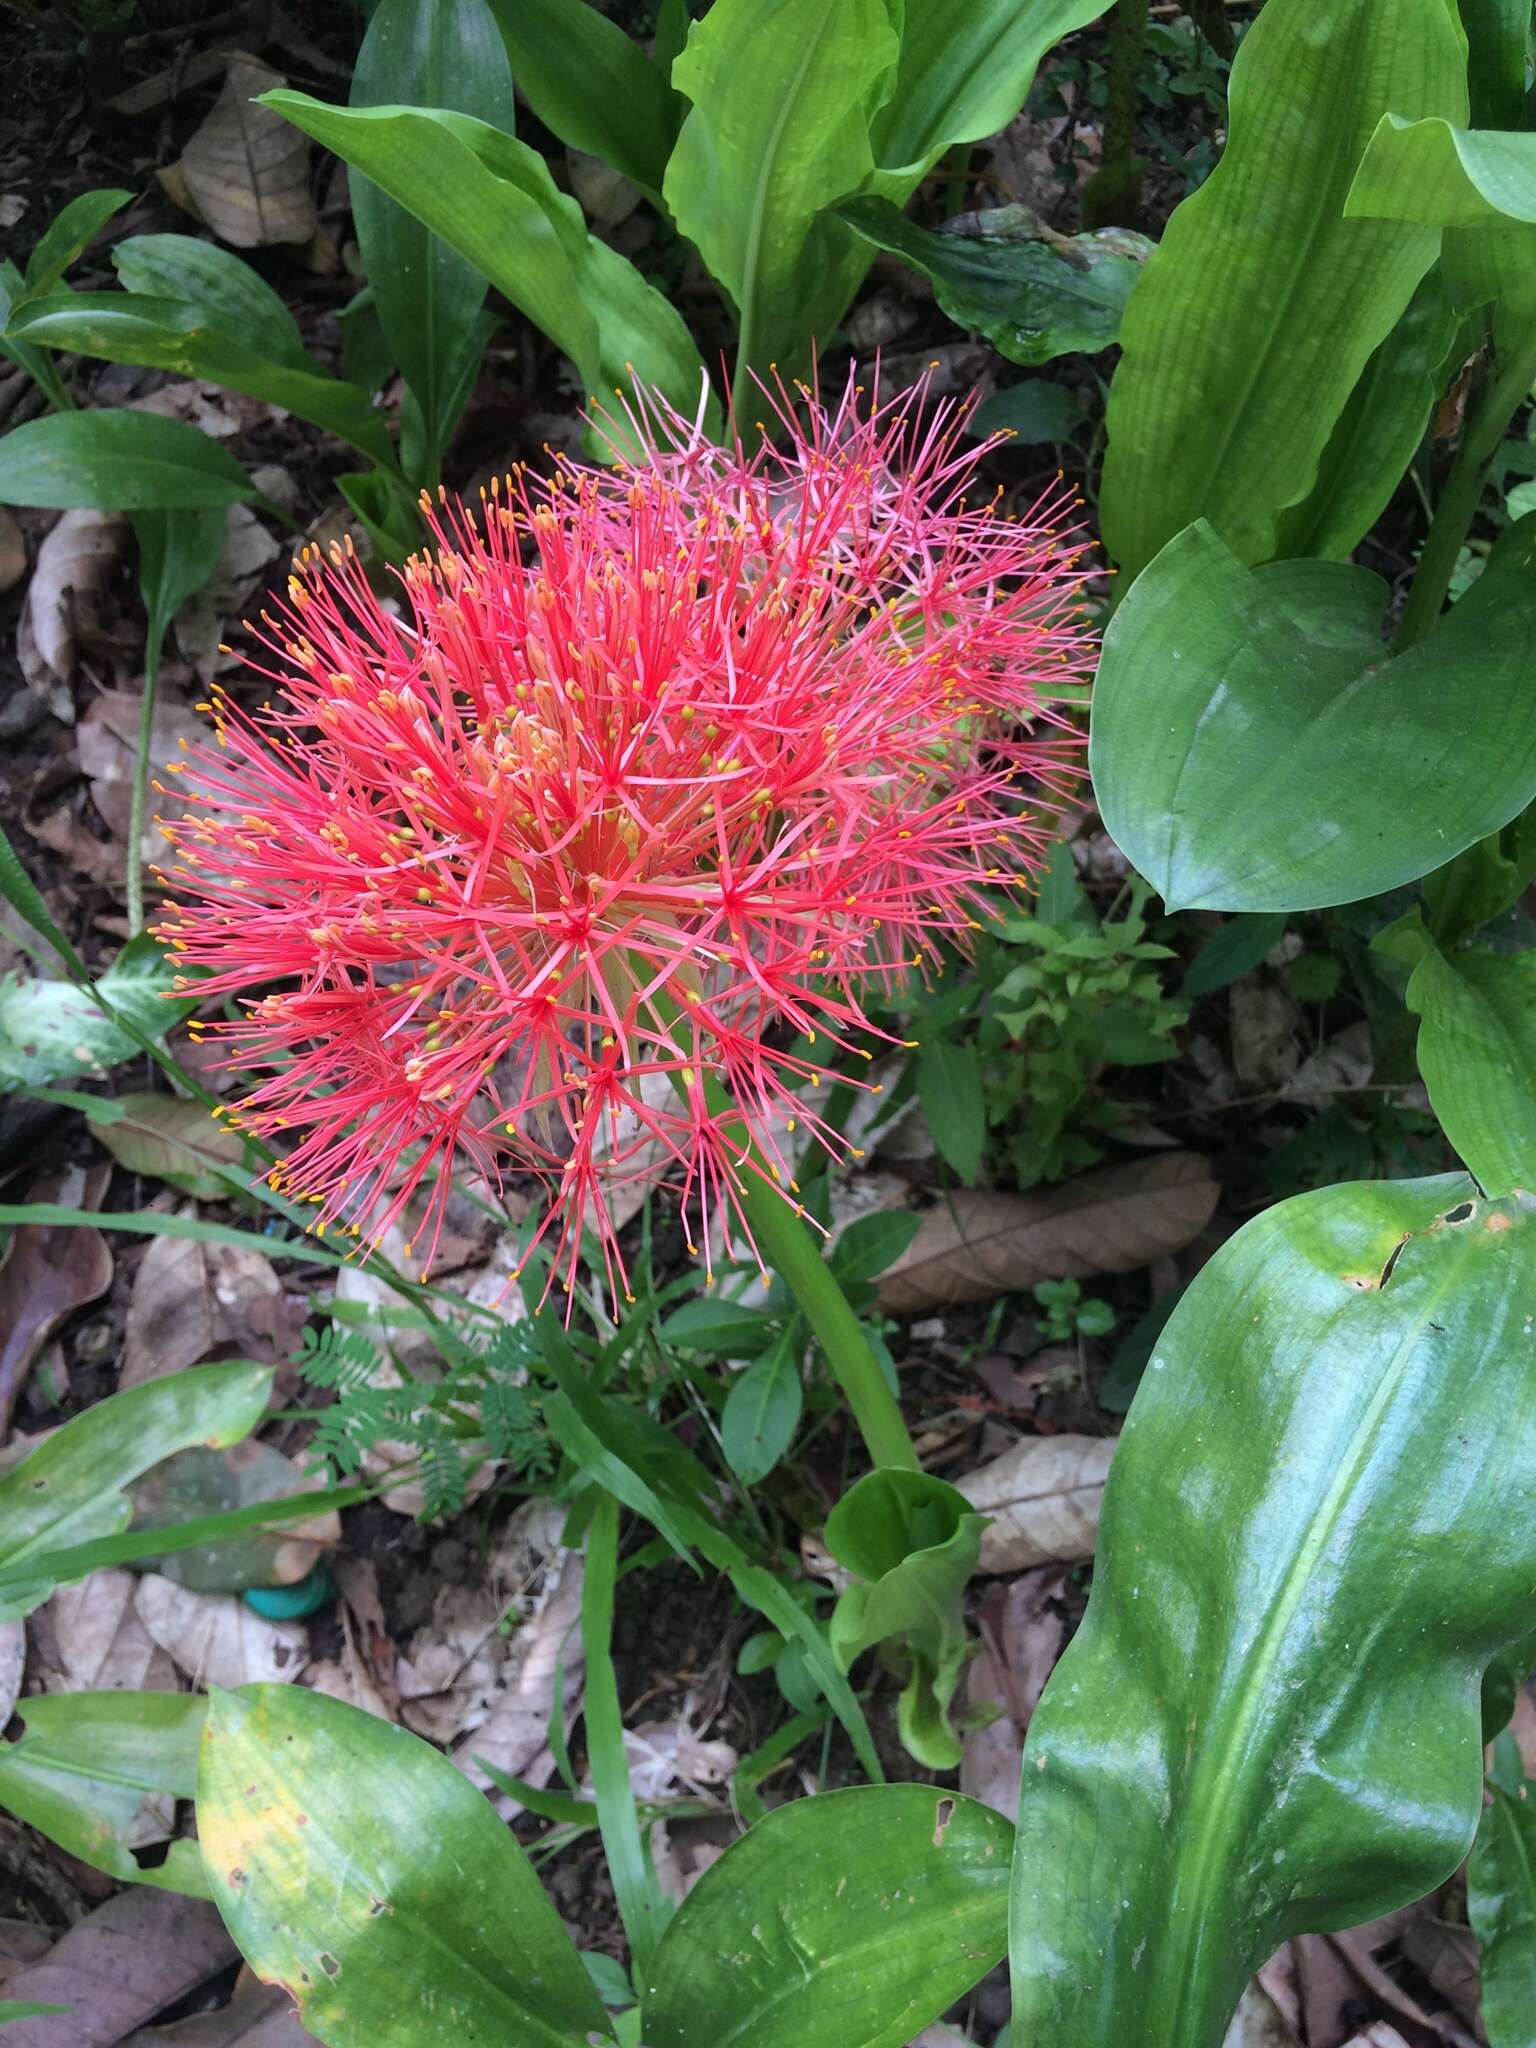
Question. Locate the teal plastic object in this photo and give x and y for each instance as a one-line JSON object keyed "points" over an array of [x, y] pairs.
{"points": [[291, 1603]]}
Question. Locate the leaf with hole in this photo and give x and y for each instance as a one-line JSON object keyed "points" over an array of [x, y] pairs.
{"points": [[1269, 1721], [353, 1864], [1254, 748]]}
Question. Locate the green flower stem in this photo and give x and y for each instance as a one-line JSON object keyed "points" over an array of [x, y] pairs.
{"points": [[1508, 387], [137, 801], [789, 1247]]}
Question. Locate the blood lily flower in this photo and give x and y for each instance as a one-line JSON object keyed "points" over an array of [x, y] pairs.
{"points": [[584, 855]]}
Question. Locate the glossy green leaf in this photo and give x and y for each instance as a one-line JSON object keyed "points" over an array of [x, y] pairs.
{"points": [[1033, 412], [1379, 430], [176, 335], [962, 75], [492, 198], [227, 291], [592, 85], [427, 53], [949, 1090], [1501, 1905], [1482, 882], [1263, 304], [356, 1867], [120, 461], [70, 1488], [70, 234], [1253, 748], [1477, 1054], [1032, 302], [1479, 184], [782, 93], [914, 1542], [762, 1411], [726, 1329], [86, 1761], [52, 1031], [871, 1243], [855, 1916], [1269, 1720]]}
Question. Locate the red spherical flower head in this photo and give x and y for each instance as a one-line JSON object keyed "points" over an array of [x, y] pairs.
{"points": [[585, 858]]}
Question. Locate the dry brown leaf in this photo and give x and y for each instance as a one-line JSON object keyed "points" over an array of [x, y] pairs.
{"points": [[140, 1952], [90, 1639], [216, 1639], [49, 1271], [13, 551], [21, 1941], [1022, 1629], [681, 1852], [1265, 1048], [541, 1582], [1115, 1219], [258, 2016], [1044, 1497], [173, 1139], [1346, 1062], [1377, 2035], [13, 1664], [246, 170], [209, 407], [78, 559], [108, 746], [191, 1300], [451, 1668], [1258, 2023], [1447, 1958], [670, 1758]]}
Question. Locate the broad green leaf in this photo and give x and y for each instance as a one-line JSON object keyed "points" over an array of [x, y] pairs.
{"points": [[225, 289], [492, 198], [1032, 412], [592, 85], [68, 236], [962, 75], [356, 1867], [1479, 184], [949, 1089], [175, 1141], [1262, 305], [1497, 34], [52, 1031], [871, 1243], [914, 1541], [1253, 748], [176, 335], [86, 1761], [1030, 301], [1239, 946], [178, 552], [727, 1329], [1375, 437], [427, 53], [70, 1488], [1477, 1053], [1501, 1905], [120, 461], [762, 1411], [1269, 1720], [1502, 1682], [1481, 883], [851, 1917], [782, 94]]}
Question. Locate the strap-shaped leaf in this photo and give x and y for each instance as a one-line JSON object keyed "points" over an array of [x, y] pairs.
{"points": [[427, 53], [1253, 748], [356, 1867], [69, 1489], [855, 1916], [177, 335], [1270, 1719], [492, 198], [1263, 304], [1478, 184]]}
